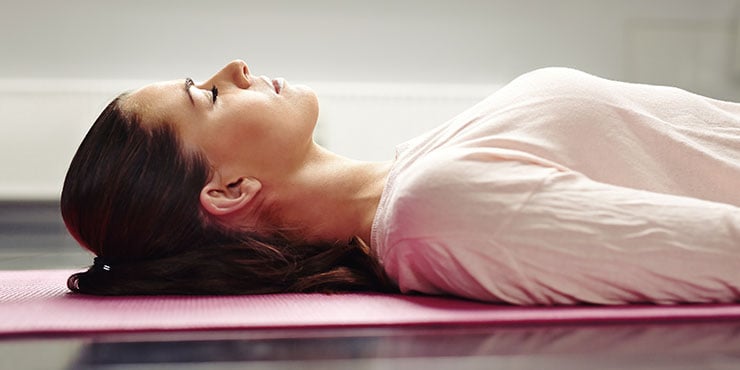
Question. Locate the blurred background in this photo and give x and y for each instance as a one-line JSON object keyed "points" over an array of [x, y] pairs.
{"points": [[384, 71]]}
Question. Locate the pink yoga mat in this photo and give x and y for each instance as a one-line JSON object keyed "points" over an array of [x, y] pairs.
{"points": [[37, 302]]}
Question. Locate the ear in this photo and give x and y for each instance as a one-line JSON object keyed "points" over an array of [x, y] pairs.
{"points": [[220, 200]]}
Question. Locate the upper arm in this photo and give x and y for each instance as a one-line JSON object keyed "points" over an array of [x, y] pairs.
{"points": [[527, 234]]}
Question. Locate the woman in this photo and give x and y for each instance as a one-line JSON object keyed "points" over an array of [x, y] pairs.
{"points": [[560, 188]]}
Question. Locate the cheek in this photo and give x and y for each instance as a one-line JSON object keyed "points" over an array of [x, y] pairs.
{"points": [[222, 141]]}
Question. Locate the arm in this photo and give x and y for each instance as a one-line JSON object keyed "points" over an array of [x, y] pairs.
{"points": [[499, 229], [577, 239]]}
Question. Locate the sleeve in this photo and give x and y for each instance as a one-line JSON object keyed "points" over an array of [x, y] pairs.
{"points": [[523, 233]]}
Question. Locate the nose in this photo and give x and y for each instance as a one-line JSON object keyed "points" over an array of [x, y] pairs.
{"points": [[236, 72]]}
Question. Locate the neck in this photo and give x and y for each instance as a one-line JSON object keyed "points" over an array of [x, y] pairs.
{"points": [[330, 198]]}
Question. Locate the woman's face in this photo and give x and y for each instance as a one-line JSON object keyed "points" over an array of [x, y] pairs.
{"points": [[244, 124]]}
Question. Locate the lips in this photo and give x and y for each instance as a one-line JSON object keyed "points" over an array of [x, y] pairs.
{"points": [[277, 83]]}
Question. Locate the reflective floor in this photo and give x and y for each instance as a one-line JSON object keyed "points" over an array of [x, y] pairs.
{"points": [[678, 346], [32, 237]]}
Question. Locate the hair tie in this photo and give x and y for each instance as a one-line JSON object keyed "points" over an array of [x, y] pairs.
{"points": [[101, 263]]}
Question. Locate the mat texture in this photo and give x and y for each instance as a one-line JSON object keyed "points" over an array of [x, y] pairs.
{"points": [[37, 302]]}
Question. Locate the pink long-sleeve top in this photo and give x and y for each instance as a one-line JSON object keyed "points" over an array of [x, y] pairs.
{"points": [[564, 188]]}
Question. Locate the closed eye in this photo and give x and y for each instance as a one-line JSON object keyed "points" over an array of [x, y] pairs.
{"points": [[214, 93]]}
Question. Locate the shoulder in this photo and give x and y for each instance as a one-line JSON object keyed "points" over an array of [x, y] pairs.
{"points": [[448, 218], [461, 190], [469, 168]]}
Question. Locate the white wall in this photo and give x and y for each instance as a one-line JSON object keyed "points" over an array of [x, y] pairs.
{"points": [[384, 70]]}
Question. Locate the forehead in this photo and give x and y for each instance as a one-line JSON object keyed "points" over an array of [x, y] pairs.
{"points": [[159, 101]]}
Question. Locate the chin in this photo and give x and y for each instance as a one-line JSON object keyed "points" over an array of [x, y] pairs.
{"points": [[310, 101], [305, 91]]}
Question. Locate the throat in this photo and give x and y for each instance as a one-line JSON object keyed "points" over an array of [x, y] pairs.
{"points": [[335, 200]]}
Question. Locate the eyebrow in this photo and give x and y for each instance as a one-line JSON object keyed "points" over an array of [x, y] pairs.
{"points": [[188, 84]]}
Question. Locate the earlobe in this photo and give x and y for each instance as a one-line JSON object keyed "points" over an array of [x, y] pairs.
{"points": [[219, 200]]}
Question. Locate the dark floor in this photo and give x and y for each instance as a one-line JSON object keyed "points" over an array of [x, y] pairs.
{"points": [[32, 237]]}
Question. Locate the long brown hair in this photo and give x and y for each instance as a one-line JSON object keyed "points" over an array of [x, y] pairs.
{"points": [[131, 197]]}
